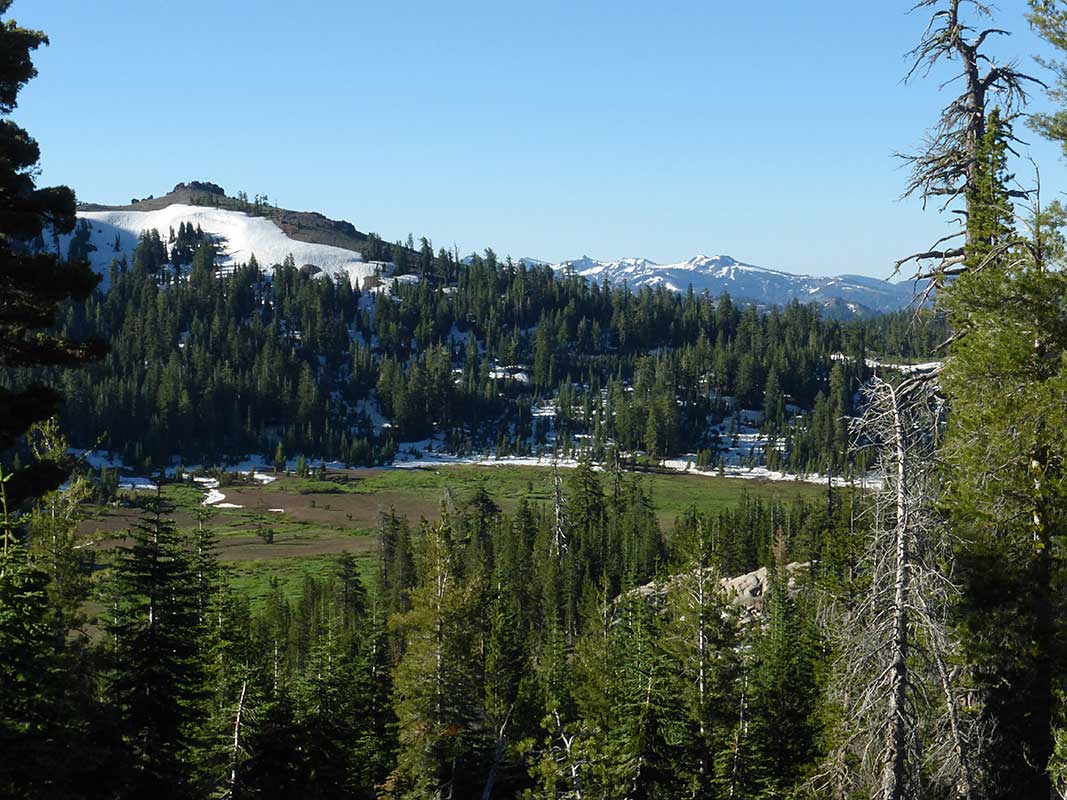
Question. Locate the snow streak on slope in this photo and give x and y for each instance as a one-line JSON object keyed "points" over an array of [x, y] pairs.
{"points": [[853, 294], [238, 235]]}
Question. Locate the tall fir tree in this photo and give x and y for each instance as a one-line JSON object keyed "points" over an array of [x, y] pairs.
{"points": [[1006, 384], [157, 682], [32, 283], [438, 682]]}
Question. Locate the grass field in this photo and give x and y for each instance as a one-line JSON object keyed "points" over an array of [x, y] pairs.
{"points": [[295, 526]]}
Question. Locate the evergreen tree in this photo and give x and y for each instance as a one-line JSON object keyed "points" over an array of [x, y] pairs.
{"points": [[1005, 451], [32, 284], [157, 682], [29, 670], [784, 728], [438, 681], [701, 642], [36, 728]]}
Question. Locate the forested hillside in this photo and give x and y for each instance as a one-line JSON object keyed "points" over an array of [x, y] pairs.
{"points": [[487, 357]]}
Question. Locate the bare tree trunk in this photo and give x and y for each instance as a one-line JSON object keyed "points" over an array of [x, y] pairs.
{"points": [[1045, 625], [559, 542], [498, 754], [945, 170], [965, 781], [738, 739], [896, 747], [568, 749], [635, 784], [702, 649], [235, 786], [903, 736]]}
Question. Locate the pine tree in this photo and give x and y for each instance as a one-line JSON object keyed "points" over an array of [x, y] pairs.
{"points": [[36, 729], [29, 667], [784, 730], [1007, 389], [32, 284], [157, 680], [437, 682], [648, 730], [701, 642]]}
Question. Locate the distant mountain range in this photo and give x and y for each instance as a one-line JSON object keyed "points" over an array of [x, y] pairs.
{"points": [[335, 247], [841, 296]]}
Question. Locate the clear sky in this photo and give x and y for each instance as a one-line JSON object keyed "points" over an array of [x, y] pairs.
{"points": [[548, 129]]}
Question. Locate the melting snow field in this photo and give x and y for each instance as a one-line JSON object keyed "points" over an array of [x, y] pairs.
{"points": [[215, 497], [902, 368], [239, 236], [137, 484]]}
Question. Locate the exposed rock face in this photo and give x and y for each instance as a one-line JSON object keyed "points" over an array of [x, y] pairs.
{"points": [[303, 226], [748, 590], [200, 186], [745, 591]]}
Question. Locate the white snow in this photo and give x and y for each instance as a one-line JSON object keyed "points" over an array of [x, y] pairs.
{"points": [[137, 484], [97, 458], [761, 473], [906, 369], [719, 273], [239, 236], [509, 374], [443, 460], [214, 497]]}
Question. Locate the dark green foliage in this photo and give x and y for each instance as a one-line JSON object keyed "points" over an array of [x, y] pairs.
{"points": [[158, 680], [783, 736], [32, 284], [29, 681], [46, 737], [1007, 386]]}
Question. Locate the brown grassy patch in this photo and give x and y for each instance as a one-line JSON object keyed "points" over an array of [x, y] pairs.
{"points": [[343, 509]]}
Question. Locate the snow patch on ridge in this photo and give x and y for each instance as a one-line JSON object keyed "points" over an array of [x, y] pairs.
{"points": [[239, 236]]}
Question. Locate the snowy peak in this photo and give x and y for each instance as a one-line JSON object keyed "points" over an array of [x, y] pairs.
{"points": [[591, 268], [238, 235], [844, 295]]}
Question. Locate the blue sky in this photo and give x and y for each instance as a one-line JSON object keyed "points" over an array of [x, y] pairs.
{"points": [[549, 129]]}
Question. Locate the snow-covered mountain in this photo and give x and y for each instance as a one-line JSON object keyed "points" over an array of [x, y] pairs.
{"points": [[114, 233], [843, 295]]}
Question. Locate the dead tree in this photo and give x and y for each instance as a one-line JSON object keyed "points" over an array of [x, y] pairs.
{"points": [[945, 167], [235, 785], [559, 536], [906, 735]]}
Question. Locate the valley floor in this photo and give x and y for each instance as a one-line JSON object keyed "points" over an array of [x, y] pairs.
{"points": [[285, 527]]}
